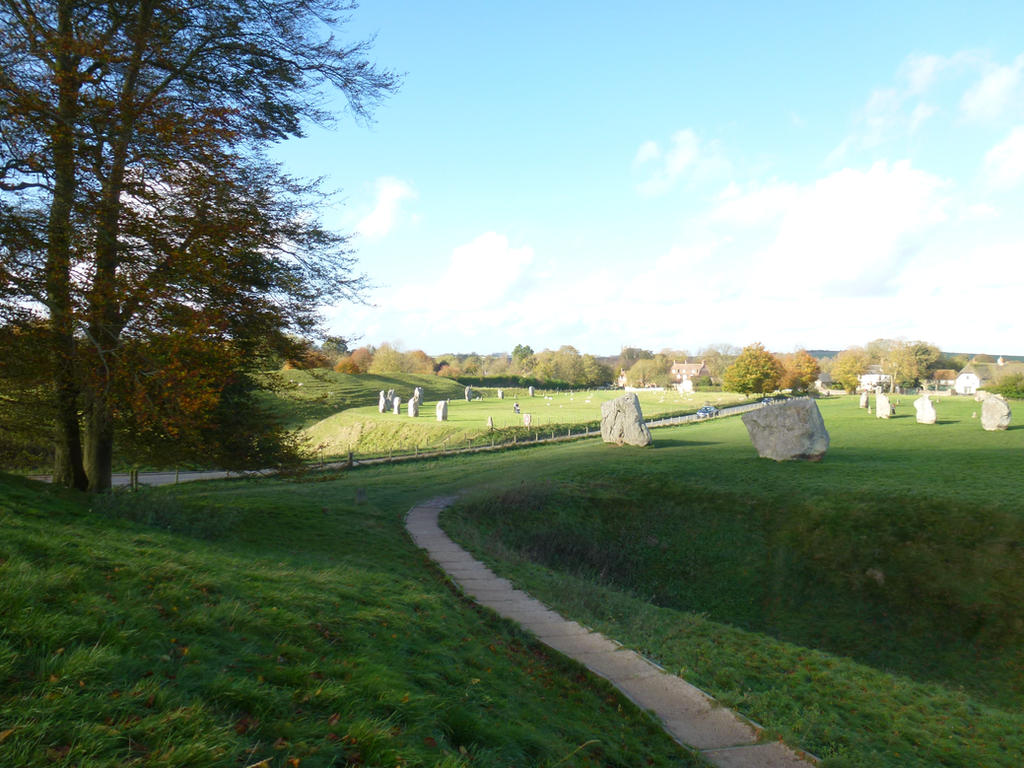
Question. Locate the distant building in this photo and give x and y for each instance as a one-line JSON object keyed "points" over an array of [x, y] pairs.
{"points": [[874, 377], [680, 372], [975, 375], [944, 378]]}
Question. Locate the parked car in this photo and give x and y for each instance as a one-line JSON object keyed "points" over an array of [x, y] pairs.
{"points": [[707, 411]]}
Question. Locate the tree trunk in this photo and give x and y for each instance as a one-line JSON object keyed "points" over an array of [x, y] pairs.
{"points": [[68, 469], [106, 321], [99, 444]]}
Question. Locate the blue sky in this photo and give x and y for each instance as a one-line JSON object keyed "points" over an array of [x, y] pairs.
{"points": [[678, 174]]}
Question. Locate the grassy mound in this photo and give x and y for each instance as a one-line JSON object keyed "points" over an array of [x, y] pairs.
{"points": [[274, 624], [364, 430], [306, 397]]}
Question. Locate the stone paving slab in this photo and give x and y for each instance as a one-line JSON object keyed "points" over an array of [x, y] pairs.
{"points": [[689, 715], [618, 666], [577, 645], [775, 754]]}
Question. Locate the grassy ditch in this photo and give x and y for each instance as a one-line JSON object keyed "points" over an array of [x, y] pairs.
{"points": [[272, 623], [866, 607]]}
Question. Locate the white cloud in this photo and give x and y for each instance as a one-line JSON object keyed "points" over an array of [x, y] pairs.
{"points": [[902, 107], [382, 219], [1004, 163], [754, 204], [683, 156], [857, 228], [921, 113], [921, 71], [481, 274], [988, 98], [648, 151]]}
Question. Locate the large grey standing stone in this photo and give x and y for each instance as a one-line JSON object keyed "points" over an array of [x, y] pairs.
{"points": [[531, 391], [382, 403], [469, 394], [501, 394], [441, 410], [418, 393], [925, 410], [414, 408], [864, 403], [396, 404], [883, 408], [995, 413], [622, 422], [789, 430]]}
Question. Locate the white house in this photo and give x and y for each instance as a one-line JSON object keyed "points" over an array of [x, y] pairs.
{"points": [[873, 377], [967, 382]]}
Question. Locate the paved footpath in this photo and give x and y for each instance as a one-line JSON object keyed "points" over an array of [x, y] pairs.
{"points": [[689, 715]]}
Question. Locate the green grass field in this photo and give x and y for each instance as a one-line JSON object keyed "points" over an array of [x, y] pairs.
{"points": [[865, 607], [365, 430]]}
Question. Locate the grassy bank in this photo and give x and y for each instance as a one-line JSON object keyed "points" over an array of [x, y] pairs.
{"points": [[275, 624]]}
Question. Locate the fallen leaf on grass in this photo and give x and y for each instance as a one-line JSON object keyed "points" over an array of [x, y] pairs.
{"points": [[5, 734]]}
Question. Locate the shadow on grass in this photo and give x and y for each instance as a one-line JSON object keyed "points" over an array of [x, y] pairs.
{"points": [[675, 442]]}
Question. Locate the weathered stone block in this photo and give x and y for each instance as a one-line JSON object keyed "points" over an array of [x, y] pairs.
{"points": [[789, 430], [622, 422]]}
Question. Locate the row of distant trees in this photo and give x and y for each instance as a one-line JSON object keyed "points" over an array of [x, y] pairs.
{"points": [[909, 363], [755, 369], [564, 365]]}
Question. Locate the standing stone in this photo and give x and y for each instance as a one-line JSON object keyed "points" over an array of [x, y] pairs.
{"points": [[501, 394], [789, 430], [418, 393], [883, 408], [414, 408], [391, 397], [397, 405], [925, 410], [441, 410], [527, 419], [490, 422], [382, 404], [864, 401], [531, 391], [622, 422], [995, 413], [469, 394]]}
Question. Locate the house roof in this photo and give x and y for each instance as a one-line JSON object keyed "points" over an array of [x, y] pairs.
{"points": [[944, 374], [690, 369]]}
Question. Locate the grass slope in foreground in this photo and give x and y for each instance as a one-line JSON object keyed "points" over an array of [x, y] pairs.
{"points": [[865, 607], [280, 624]]}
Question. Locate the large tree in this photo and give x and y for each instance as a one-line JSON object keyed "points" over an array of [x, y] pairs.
{"points": [[136, 201], [799, 371], [848, 367], [755, 370]]}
